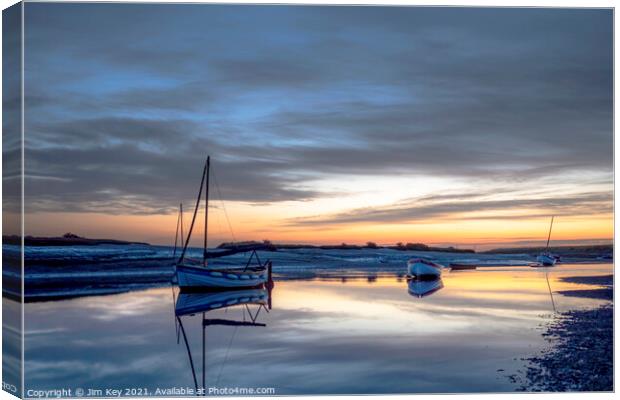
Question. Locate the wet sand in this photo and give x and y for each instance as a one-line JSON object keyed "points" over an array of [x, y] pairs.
{"points": [[580, 355]]}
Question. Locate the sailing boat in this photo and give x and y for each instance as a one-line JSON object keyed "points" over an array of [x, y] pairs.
{"points": [[546, 258], [195, 274]]}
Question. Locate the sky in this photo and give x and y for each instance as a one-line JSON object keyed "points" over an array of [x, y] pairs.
{"points": [[448, 126]]}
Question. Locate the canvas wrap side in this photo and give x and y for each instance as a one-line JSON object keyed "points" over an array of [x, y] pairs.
{"points": [[12, 199]]}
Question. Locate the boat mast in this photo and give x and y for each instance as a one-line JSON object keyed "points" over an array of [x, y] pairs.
{"points": [[204, 253], [549, 237], [189, 352], [191, 226]]}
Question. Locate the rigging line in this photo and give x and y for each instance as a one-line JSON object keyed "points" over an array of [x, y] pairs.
{"points": [[219, 193], [191, 227], [220, 225], [232, 337], [176, 236], [176, 239], [253, 318], [181, 217]]}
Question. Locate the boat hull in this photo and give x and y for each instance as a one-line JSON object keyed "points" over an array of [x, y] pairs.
{"points": [[546, 260], [199, 277], [423, 268]]}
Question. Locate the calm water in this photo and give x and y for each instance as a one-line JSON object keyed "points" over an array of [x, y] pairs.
{"points": [[320, 336]]}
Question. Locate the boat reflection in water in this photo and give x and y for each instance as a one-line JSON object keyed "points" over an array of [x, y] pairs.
{"points": [[424, 287], [192, 303], [250, 302]]}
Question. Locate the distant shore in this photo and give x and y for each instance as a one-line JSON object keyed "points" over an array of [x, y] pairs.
{"points": [[269, 246], [573, 251], [586, 251], [66, 240]]}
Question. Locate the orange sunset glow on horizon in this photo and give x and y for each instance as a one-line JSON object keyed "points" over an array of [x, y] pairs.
{"points": [[272, 222]]}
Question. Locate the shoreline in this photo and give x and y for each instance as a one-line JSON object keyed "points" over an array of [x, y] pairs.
{"points": [[580, 357]]}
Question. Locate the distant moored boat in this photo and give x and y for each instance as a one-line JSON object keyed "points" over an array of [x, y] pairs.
{"points": [[420, 268], [546, 258]]}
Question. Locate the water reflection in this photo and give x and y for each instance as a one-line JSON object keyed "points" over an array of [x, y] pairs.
{"points": [[188, 305], [424, 287], [191, 303], [322, 336]]}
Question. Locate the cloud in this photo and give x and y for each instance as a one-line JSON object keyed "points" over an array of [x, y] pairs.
{"points": [[127, 103], [124, 178], [436, 208]]}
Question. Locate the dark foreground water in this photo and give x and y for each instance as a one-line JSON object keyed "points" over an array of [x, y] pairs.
{"points": [[323, 336]]}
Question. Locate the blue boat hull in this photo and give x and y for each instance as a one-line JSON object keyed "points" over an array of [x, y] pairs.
{"points": [[200, 277]]}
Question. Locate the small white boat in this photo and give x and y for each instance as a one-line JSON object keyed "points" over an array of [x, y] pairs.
{"points": [[421, 288], [546, 260], [419, 267]]}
